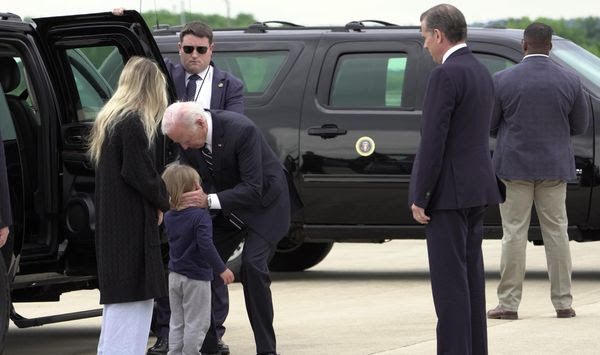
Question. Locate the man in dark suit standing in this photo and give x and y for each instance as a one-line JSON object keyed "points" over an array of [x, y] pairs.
{"points": [[539, 106], [245, 181], [453, 181], [197, 79]]}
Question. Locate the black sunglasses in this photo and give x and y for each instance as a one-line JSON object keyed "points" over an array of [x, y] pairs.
{"points": [[199, 49]]}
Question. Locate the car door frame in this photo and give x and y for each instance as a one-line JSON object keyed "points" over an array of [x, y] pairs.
{"points": [[23, 37], [396, 224], [130, 34]]}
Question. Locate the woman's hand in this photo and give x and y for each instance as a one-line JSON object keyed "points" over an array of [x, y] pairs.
{"points": [[160, 217], [4, 235]]}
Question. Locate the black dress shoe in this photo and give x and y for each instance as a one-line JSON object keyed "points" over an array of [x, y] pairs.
{"points": [[161, 347], [223, 348]]}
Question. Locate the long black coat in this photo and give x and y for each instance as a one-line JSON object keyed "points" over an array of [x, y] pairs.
{"points": [[129, 191]]}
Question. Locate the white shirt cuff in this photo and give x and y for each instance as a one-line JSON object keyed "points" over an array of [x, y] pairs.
{"points": [[215, 204]]}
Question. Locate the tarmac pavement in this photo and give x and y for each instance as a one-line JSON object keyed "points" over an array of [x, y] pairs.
{"points": [[367, 299]]}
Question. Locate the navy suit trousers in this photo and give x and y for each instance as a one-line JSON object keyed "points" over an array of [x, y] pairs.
{"points": [[256, 283], [458, 280]]}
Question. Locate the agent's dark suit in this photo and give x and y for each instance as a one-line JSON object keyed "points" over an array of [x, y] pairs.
{"points": [[537, 92], [227, 90], [227, 94], [251, 186], [453, 180]]}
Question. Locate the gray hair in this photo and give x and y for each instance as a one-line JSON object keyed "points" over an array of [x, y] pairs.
{"points": [[448, 19], [181, 113]]}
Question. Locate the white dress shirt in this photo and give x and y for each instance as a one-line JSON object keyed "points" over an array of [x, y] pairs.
{"points": [[536, 55], [203, 86], [452, 50], [215, 204]]}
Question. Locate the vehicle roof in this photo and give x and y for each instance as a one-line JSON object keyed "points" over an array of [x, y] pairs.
{"points": [[262, 30], [290, 30]]}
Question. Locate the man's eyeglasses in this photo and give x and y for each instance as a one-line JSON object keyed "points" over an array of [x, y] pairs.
{"points": [[199, 49]]}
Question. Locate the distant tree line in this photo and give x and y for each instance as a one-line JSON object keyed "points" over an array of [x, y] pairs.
{"points": [[164, 17], [585, 31]]}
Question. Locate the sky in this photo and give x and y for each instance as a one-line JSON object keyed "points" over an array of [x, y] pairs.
{"points": [[318, 12]]}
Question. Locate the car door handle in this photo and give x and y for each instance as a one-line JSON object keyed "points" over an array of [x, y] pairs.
{"points": [[75, 139], [327, 131]]}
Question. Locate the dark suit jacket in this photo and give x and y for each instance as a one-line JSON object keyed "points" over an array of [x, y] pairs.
{"points": [[5, 211], [227, 90], [453, 167], [539, 105], [247, 176]]}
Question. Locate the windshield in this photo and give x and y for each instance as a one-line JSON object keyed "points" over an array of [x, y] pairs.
{"points": [[583, 62]]}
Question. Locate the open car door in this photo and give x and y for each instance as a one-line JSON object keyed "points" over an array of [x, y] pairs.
{"points": [[84, 55]]}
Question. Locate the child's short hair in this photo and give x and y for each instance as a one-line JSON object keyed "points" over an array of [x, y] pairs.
{"points": [[179, 179]]}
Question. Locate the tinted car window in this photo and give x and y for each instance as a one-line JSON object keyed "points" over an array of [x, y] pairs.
{"points": [[256, 69], [580, 60], [24, 90], [6, 124], [22, 84], [494, 63], [93, 88], [368, 80]]}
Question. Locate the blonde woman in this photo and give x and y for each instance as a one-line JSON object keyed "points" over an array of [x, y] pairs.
{"points": [[130, 198]]}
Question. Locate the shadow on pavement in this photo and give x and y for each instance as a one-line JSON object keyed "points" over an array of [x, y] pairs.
{"points": [[56, 339], [324, 275]]}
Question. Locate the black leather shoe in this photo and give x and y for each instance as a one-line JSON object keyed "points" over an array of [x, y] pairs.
{"points": [[223, 348], [161, 347], [565, 313]]}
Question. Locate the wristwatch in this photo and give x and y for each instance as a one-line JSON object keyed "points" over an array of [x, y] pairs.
{"points": [[208, 201]]}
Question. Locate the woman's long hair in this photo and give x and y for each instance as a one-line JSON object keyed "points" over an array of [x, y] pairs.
{"points": [[142, 89]]}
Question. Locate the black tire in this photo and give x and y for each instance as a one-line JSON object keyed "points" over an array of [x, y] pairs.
{"points": [[4, 302], [300, 258]]}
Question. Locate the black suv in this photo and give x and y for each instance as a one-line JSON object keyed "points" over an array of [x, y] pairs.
{"points": [[340, 106]]}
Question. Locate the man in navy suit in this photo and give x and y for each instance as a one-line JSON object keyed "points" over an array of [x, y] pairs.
{"points": [[539, 106], [245, 181], [453, 180], [197, 79]]}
